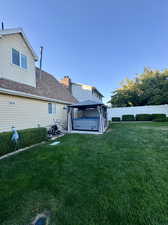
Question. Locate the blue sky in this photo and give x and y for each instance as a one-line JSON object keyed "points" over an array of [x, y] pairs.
{"points": [[94, 42]]}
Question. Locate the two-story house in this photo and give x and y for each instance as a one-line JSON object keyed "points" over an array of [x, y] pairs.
{"points": [[82, 92], [28, 97]]}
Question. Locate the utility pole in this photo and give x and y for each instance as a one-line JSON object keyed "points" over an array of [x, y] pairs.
{"points": [[41, 59], [2, 25]]}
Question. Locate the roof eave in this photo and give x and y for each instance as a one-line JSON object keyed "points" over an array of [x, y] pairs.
{"points": [[23, 94]]}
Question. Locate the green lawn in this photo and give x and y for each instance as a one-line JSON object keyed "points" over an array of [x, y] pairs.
{"points": [[118, 178]]}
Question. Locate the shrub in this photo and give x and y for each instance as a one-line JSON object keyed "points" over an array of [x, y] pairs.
{"points": [[116, 119], [143, 117], [163, 119], [27, 138], [160, 120], [128, 118], [158, 117]]}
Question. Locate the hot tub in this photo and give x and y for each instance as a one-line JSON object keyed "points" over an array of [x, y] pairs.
{"points": [[86, 123]]}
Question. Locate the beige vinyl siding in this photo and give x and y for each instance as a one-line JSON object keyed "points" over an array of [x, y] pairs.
{"points": [[11, 71], [27, 113]]}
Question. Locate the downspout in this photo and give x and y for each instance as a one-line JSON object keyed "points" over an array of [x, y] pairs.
{"points": [[69, 119], [100, 119]]}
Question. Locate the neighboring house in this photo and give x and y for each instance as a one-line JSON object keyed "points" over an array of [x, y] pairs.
{"points": [[28, 97], [82, 92]]}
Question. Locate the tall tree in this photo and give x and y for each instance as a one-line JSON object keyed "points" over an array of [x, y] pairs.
{"points": [[149, 88]]}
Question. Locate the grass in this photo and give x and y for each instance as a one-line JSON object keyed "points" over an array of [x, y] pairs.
{"points": [[119, 178]]}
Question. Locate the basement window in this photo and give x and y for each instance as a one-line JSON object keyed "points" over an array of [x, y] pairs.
{"points": [[19, 59]]}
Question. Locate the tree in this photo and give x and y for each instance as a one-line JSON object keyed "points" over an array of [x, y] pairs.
{"points": [[149, 88]]}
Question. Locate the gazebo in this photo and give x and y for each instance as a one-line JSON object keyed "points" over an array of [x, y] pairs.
{"points": [[87, 117]]}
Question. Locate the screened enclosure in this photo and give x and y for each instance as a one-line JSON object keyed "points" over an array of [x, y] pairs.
{"points": [[87, 116]]}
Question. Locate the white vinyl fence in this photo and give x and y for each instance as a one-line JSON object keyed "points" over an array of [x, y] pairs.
{"points": [[118, 112]]}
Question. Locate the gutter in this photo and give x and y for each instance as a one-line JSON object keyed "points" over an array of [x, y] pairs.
{"points": [[23, 94]]}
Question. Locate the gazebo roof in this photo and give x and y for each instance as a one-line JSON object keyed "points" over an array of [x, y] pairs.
{"points": [[87, 103]]}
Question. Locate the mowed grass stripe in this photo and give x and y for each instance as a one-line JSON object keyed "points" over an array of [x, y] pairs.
{"points": [[117, 178]]}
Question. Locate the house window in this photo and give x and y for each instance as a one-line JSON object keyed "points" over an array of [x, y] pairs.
{"points": [[19, 59], [23, 61], [54, 108], [51, 108], [15, 57]]}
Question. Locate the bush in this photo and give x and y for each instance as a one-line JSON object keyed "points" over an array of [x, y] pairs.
{"points": [[128, 118], [116, 119], [143, 117], [27, 138], [160, 120], [158, 117]]}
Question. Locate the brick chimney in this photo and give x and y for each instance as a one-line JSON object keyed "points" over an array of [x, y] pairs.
{"points": [[66, 81]]}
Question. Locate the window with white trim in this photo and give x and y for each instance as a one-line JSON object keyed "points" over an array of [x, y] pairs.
{"points": [[52, 108], [23, 61], [19, 59]]}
